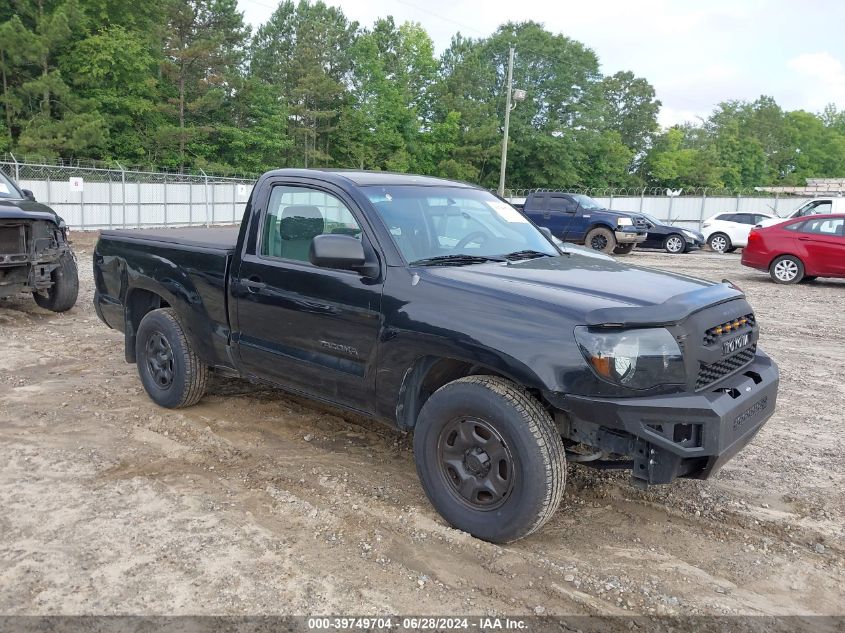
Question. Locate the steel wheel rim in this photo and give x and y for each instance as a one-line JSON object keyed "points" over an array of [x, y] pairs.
{"points": [[599, 242], [159, 356], [674, 244], [786, 270], [718, 243], [475, 463]]}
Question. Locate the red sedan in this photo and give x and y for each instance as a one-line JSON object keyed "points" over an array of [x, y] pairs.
{"points": [[804, 248]]}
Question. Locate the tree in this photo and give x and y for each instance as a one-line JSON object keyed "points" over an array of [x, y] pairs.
{"points": [[630, 108], [115, 69], [203, 51], [304, 51]]}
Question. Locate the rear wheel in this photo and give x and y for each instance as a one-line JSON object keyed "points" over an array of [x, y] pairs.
{"points": [[674, 244], [719, 243], [624, 249], [786, 269], [171, 372], [601, 239], [489, 458], [62, 295]]}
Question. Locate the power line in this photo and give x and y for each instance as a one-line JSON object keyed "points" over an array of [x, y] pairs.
{"points": [[440, 17]]}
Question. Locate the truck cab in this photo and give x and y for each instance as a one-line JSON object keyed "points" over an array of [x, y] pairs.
{"points": [[574, 217], [816, 206]]}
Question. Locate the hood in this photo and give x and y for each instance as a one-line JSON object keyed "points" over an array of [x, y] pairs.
{"points": [[27, 210], [596, 291]]}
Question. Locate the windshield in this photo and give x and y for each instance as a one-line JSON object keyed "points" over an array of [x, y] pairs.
{"points": [[586, 202], [8, 188], [428, 222]]}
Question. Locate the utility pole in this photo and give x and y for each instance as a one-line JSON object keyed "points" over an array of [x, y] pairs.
{"points": [[507, 124]]}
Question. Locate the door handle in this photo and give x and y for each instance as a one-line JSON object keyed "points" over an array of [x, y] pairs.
{"points": [[546, 215], [253, 284]]}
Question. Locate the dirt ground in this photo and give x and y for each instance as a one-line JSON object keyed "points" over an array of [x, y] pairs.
{"points": [[254, 502]]}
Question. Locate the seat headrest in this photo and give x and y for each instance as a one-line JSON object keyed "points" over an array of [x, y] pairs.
{"points": [[301, 222]]}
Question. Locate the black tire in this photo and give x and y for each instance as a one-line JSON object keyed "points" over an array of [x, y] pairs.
{"points": [[62, 295], [786, 269], [722, 243], [519, 486], [171, 372], [675, 244], [601, 239], [624, 249]]}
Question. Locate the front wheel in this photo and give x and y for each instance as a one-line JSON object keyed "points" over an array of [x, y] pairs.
{"points": [[786, 269], [489, 458], [171, 372], [674, 244], [62, 295], [601, 239], [624, 249]]}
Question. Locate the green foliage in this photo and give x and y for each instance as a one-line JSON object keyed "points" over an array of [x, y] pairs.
{"points": [[183, 84]]}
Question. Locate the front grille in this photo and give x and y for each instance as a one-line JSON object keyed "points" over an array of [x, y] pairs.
{"points": [[713, 372], [713, 334], [12, 240]]}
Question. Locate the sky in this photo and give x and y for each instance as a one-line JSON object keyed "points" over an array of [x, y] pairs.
{"points": [[694, 53]]}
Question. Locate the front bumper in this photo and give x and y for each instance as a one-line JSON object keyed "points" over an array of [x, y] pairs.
{"points": [[630, 235], [678, 435]]}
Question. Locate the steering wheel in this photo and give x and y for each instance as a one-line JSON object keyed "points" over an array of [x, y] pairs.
{"points": [[466, 239]]}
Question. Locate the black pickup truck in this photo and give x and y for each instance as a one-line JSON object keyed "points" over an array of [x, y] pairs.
{"points": [[438, 308], [35, 254]]}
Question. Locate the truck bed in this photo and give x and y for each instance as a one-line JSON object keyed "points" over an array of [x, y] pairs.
{"points": [[215, 238]]}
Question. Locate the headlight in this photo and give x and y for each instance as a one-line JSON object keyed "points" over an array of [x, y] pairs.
{"points": [[689, 234], [624, 222], [638, 359]]}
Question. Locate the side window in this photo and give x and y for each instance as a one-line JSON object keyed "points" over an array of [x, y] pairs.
{"points": [[760, 218], [745, 218], [296, 215], [561, 203], [825, 206], [727, 217], [821, 226]]}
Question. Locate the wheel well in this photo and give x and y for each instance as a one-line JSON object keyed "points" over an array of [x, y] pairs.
{"points": [[138, 303], [425, 377], [776, 257]]}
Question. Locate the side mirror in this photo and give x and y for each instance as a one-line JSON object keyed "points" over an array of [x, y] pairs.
{"points": [[343, 252], [28, 194], [547, 232]]}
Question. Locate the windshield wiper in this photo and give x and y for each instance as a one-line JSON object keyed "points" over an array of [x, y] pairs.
{"points": [[456, 260], [526, 254]]}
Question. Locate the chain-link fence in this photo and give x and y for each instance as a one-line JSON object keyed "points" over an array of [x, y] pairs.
{"points": [[98, 196], [92, 196]]}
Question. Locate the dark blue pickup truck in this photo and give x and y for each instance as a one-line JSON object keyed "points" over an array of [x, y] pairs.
{"points": [[436, 307], [574, 217]]}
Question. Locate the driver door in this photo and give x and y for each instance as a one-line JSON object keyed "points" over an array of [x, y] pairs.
{"points": [[563, 221], [311, 329]]}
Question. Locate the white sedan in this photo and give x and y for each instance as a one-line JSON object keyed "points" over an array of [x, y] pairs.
{"points": [[725, 232]]}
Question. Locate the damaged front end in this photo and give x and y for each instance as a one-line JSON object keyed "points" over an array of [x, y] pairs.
{"points": [[30, 251]]}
